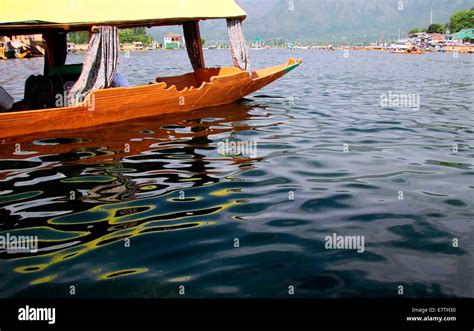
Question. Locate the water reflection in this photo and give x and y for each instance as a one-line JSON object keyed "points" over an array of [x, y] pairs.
{"points": [[114, 183], [137, 208]]}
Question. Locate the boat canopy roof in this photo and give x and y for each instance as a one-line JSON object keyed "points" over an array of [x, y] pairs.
{"points": [[31, 16], [463, 34]]}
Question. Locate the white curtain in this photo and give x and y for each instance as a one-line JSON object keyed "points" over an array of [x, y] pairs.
{"points": [[238, 46], [99, 65]]}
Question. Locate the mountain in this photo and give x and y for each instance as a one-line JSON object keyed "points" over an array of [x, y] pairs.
{"points": [[351, 19], [335, 21]]}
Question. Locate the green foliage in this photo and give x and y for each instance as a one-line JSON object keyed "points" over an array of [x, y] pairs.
{"points": [[417, 30], [436, 28], [462, 20], [125, 36], [81, 37], [203, 41], [135, 34]]}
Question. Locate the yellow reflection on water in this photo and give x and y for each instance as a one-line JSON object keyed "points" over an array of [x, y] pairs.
{"points": [[180, 279], [43, 280], [68, 253], [124, 220], [122, 273]]}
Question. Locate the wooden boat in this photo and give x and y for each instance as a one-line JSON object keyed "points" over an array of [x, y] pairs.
{"points": [[415, 52], [17, 49], [200, 89], [25, 54], [205, 87], [5, 55]]}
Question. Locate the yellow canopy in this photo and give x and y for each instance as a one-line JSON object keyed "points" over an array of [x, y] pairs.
{"points": [[76, 14]]}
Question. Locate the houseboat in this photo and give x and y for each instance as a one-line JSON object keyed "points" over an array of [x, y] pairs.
{"points": [[173, 41], [90, 99]]}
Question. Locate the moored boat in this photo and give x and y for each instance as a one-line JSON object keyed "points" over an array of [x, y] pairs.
{"points": [[6, 52], [92, 101], [403, 46], [413, 52], [408, 50]]}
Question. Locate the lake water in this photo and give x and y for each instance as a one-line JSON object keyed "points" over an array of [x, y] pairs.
{"points": [[141, 208]]}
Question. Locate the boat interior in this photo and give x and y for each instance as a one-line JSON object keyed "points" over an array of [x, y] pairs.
{"points": [[206, 75], [71, 72], [198, 77]]}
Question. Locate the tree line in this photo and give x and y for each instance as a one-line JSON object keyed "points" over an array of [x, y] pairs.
{"points": [[125, 36], [460, 20]]}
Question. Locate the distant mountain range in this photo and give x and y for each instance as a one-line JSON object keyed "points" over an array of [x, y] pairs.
{"points": [[336, 21]]}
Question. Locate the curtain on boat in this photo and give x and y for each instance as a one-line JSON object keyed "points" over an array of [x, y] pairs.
{"points": [[238, 46], [99, 65], [192, 37]]}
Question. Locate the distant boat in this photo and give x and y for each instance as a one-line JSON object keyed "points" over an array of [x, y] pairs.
{"points": [[6, 53], [403, 46], [138, 46], [302, 47], [71, 47], [25, 54], [414, 52], [15, 49]]}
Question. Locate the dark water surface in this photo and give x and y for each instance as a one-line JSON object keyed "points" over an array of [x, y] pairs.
{"points": [[322, 136]]}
